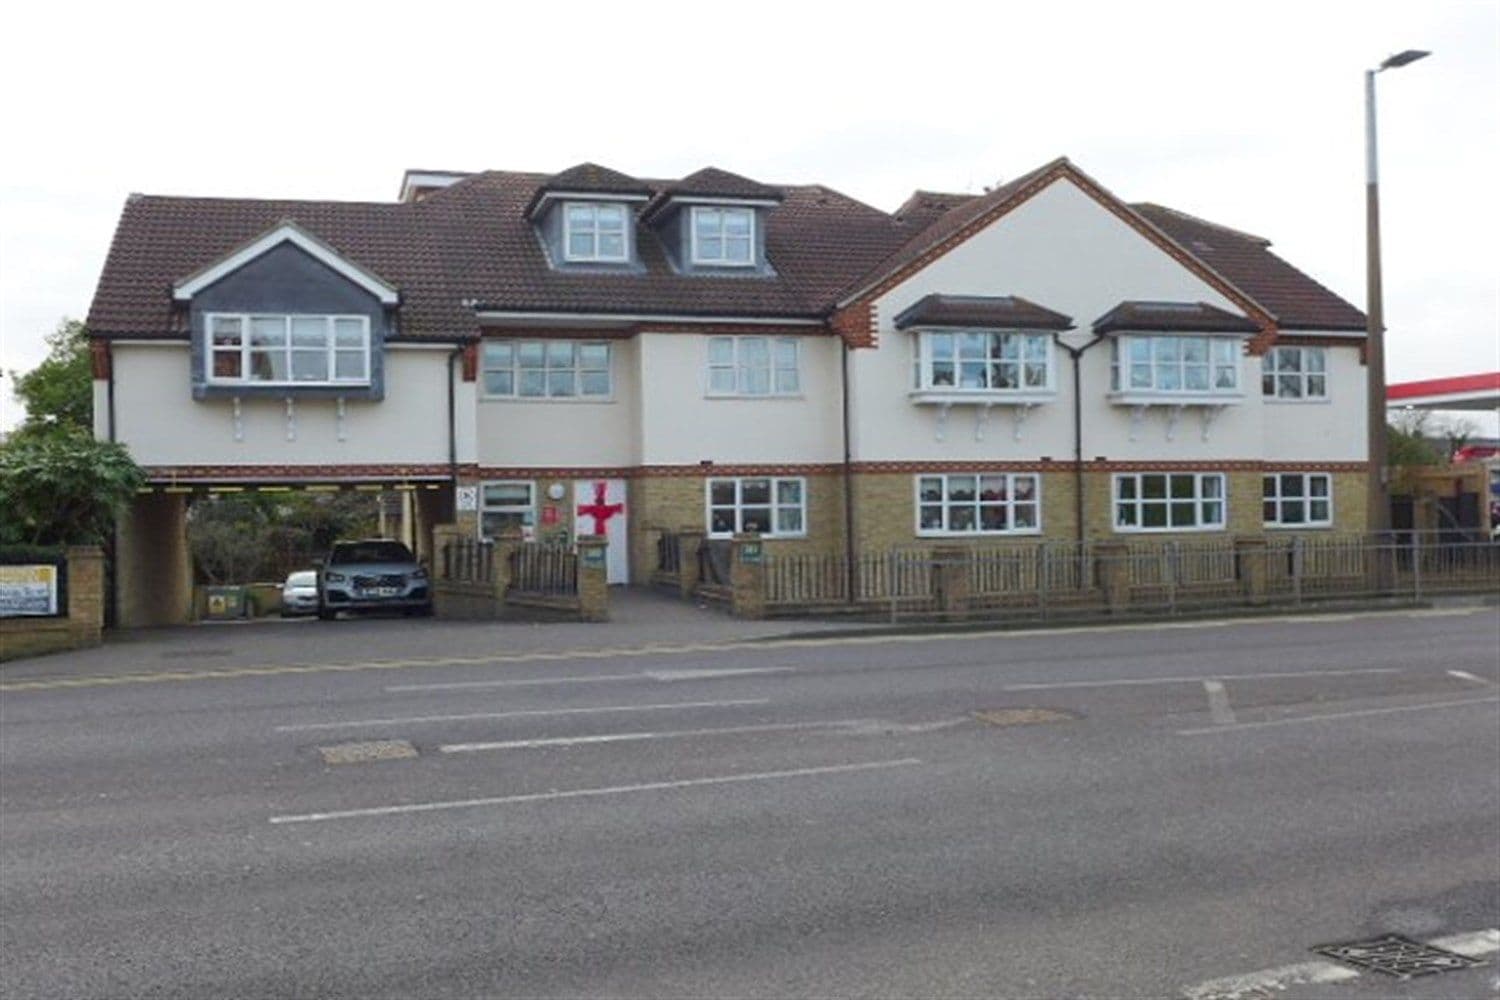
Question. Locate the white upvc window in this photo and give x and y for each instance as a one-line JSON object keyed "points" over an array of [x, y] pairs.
{"points": [[982, 361], [1297, 500], [1169, 501], [595, 231], [283, 349], [723, 237], [1168, 365], [990, 503], [1294, 373], [546, 369], [771, 505], [507, 506], [754, 366]]}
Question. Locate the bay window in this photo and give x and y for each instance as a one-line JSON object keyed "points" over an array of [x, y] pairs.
{"points": [[282, 349], [980, 361], [1170, 365]]}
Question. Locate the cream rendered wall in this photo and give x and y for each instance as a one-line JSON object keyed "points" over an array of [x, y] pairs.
{"points": [[1327, 430], [681, 425], [1064, 251], [565, 433], [157, 417]]}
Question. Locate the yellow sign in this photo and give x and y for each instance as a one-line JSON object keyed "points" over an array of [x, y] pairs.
{"points": [[28, 590]]}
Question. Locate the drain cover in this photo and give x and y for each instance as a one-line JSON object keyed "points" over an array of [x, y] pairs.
{"points": [[359, 753], [1023, 716], [1398, 956]]}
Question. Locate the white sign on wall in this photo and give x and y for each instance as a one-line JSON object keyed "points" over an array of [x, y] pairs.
{"points": [[28, 590], [468, 498]]}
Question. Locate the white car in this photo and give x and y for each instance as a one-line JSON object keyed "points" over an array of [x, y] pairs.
{"points": [[299, 594]]}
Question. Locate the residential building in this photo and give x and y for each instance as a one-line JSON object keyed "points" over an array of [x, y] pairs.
{"points": [[589, 351]]}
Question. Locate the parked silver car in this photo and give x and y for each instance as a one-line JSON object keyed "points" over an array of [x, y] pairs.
{"points": [[299, 594], [371, 574]]}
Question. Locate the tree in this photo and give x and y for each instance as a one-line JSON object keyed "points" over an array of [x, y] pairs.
{"points": [[58, 392], [61, 487]]}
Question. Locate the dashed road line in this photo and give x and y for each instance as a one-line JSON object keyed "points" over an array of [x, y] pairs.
{"points": [[1464, 675], [605, 653], [1337, 715], [1218, 703], [417, 719], [1145, 681], [581, 793], [575, 741], [1267, 982], [661, 676]]}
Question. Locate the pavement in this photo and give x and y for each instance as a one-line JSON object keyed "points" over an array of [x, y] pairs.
{"points": [[706, 807]]}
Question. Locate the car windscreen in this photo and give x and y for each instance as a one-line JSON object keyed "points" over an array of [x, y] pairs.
{"points": [[355, 553], [303, 578]]}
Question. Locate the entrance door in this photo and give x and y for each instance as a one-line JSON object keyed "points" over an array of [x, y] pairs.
{"points": [[599, 509]]}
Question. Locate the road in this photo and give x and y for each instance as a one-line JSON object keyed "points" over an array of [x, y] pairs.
{"points": [[386, 809]]}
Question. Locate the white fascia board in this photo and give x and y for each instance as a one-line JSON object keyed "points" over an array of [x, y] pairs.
{"points": [[692, 199], [565, 319], [286, 233], [589, 196]]}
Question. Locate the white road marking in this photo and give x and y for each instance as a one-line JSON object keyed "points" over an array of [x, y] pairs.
{"points": [[579, 793], [1218, 703], [570, 741], [707, 675], [356, 723], [1475, 944], [1464, 675], [1132, 682], [1337, 715], [660, 676], [1263, 983]]}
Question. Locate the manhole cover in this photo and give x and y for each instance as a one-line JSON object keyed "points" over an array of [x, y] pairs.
{"points": [[359, 753], [1398, 956], [1023, 716]]}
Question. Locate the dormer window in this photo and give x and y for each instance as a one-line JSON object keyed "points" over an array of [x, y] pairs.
{"points": [[723, 237], [595, 232]]}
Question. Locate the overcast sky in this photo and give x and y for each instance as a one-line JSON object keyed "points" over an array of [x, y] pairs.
{"points": [[1246, 114]]}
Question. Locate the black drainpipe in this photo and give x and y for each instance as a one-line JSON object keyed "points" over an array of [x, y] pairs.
{"points": [[1076, 353], [852, 573]]}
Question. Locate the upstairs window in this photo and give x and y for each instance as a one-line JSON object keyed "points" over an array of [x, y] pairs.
{"points": [[754, 366], [976, 361], [723, 237], [1294, 373], [595, 232], [546, 369], [280, 349], [1186, 365]]}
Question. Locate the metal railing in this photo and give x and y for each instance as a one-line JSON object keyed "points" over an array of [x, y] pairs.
{"points": [[538, 568], [668, 553], [467, 560]]}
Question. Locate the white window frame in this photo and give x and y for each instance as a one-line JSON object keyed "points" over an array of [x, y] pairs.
{"points": [[1025, 341], [699, 258], [526, 510], [1140, 502], [331, 349], [595, 231], [1272, 485], [1276, 380], [775, 508], [1123, 361], [1009, 505], [740, 368], [516, 369]]}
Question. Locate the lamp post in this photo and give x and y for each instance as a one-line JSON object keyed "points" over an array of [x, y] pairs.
{"points": [[1378, 503]]}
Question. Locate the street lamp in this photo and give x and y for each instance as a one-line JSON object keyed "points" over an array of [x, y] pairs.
{"points": [[1378, 504]]}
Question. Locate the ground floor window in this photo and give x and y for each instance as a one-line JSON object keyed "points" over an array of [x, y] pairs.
{"points": [[1176, 501], [995, 503], [507, 507], [1297, 499], [764, 504]]}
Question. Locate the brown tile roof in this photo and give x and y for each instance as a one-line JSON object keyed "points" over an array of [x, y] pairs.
{"points": [[1297, 301], [713, 182], [1010, 311], [592, 177], [471, 243], [1197, 317]]}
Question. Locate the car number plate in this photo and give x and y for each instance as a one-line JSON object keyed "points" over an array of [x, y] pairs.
{"points": [[380, 591]]}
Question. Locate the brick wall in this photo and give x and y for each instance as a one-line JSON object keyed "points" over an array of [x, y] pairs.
{"points": [[84, 623]]}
